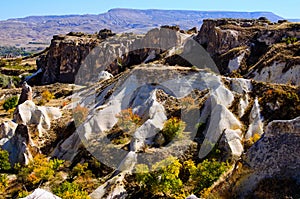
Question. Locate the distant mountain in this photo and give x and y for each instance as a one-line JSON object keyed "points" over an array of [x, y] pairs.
{"points": [[294, 20], [37, 31]]}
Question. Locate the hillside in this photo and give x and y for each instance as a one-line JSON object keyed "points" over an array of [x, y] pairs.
{"points": [[36, 31], [169, 113]]}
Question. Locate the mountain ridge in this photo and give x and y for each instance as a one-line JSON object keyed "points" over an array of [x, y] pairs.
{"points": [[35, 32]]}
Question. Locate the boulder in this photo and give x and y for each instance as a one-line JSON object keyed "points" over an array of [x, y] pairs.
{"points": [[41, 194], [20, 146], [7, 129], [28, 113], [275, 156]]}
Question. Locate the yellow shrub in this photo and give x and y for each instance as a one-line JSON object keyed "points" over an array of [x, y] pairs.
{"points": [[46, 96]]}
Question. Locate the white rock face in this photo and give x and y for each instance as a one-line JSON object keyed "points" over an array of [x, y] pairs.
{"points": [[41, 194], [235, 63], [20, 146], [7, 129], [28, 113], [242, 87], [221, 120], [113, 188], [104, 75], [255, 121], [275, 74]]}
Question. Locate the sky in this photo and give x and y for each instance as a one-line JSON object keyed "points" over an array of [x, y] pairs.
{"points": [[23, 8]]}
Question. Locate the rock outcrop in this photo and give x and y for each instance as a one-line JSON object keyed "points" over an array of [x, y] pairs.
{"points": [[253, 48], [28, 113], [274, 156], [146, 89], [105, 51], [26, 93], [20, 147], [41, 194]]}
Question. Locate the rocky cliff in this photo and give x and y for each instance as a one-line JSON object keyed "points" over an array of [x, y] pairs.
{"points": [[256, 49]]}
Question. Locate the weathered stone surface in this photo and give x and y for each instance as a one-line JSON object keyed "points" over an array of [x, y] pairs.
{"points": [[7, 129], [277, 73], [255, 121], [28, 113], [275, 155], [41, 194], [20, 146], [252, 47], [80, 58]]}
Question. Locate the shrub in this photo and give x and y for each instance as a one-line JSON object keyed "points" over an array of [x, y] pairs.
{"points": [[80, 170], [128, 121], [172, 128], [46, 97], [290, 40], [4, 81], [23, 194], [206, 173], [170, 178], [80, 114], [248, 143], [39, 170], [163, 180], [3, 183], [4, 160], [10, 103], [70, 190]]}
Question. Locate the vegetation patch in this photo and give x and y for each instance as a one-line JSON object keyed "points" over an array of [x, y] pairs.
{"points": [[10, 103], [172, 179]]}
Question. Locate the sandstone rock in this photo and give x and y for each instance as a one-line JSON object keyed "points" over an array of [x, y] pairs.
{"points": [[275, 155], [113, 188], [7, 129], [20, 146], [192, 197], [41, 194], [28, 113], [104, 75], [277, 73], [222, 120], [255, 121], [26, 93], [234, 64]]}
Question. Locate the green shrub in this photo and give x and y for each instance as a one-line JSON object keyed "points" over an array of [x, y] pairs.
{"points": [[23, 194], [163, 180], [4, 81], [290, 40], [173, 127], [70, 190], [169, 178], [3, 183], [205, 173], [10, 103], [4, 160]]}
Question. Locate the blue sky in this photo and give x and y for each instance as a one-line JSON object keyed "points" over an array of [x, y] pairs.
{"points": [[22, 8]]}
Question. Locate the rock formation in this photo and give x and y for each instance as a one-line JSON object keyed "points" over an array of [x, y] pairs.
{"points": [[274, 156], [26, 93], [254, 48]]}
